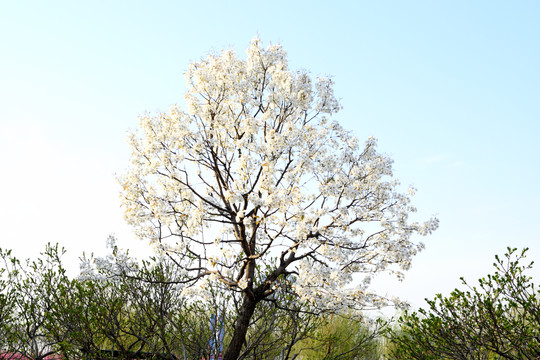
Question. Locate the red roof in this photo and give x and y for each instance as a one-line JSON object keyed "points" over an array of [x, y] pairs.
{"points": [[18, 356]]}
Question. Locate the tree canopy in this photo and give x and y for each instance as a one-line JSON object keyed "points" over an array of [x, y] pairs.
{"points": [[254, 187]]}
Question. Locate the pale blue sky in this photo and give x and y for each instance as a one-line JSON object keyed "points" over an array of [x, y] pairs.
{"points": [[451, 90]]}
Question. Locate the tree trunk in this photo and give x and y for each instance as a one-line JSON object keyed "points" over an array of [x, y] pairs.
{"points": [[240, 328]]}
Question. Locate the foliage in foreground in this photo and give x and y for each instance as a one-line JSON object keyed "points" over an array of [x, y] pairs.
{"points": [[498, 319], [137, 310]]}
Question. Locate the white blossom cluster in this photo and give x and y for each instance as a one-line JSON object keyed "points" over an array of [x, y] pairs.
{"points": [[117, 262], [254, 185]]}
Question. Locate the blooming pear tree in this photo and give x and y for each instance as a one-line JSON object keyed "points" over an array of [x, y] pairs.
{"points": [[255, 187]]}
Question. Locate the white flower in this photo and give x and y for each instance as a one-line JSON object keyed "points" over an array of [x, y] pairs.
{"points": [[257, 160]]}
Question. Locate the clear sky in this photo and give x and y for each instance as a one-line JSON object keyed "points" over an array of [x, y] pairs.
{"points": [[450, 89]]}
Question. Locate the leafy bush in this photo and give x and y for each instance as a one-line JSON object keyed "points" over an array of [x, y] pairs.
{"points": [[499, 318]]}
